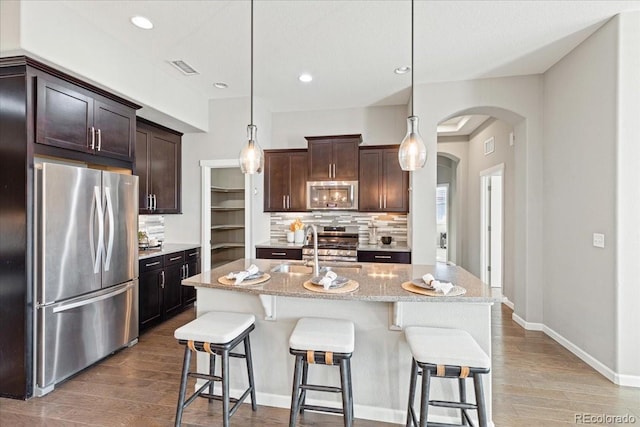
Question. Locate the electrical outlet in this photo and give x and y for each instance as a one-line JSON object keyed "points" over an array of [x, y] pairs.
{"points": [[598, 240]]}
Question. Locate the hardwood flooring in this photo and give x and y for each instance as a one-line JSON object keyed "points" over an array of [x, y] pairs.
{"points": [[536, 382]]}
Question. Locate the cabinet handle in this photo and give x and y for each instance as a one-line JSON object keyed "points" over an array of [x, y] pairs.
{"points": [[148, 201], [152, 264], [183, 271], [334, 170], [93, 137], [329, 170], [382, 256], [380, 202], [154, 202], [174, 258], [187, 273], [162, 277], [385, 201], [193, 254], [284, 202], [278, 253], [99, 139], [288, 202]]}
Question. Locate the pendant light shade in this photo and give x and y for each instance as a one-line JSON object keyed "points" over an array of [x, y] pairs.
{"points": [[251, 156], [412, 154]]}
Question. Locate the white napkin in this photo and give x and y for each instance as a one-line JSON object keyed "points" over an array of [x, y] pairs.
{"points": [[444, 287], [328, 279], [241, 275]]}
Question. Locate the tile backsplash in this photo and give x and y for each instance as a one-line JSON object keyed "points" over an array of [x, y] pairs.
{"points": [[153, 225], [386, 224]]}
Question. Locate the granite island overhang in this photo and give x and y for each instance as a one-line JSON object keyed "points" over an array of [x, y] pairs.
{"points": [[380, 308]]}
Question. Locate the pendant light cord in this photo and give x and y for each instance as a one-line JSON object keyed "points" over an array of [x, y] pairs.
{"points": [[412, 91], [252, 62]]}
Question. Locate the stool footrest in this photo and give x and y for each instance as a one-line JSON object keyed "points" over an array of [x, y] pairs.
{"points": [[314, 387], [322, 409], [458, 405], [205, 376], [236, 402], [432, 424]]}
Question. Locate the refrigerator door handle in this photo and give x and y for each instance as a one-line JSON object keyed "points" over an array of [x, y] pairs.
{"points": [[82, 301], [100, 247], [107, 261]]}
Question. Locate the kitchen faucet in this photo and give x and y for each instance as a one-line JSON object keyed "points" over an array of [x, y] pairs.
{"points": [[314, 229]]}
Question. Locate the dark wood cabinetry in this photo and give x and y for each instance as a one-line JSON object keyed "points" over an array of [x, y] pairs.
{"points": [[285, 180], [161, 292], [385, 257], [384, 186], [279, 253], [333, 158], [73, 118], [158, 162]]}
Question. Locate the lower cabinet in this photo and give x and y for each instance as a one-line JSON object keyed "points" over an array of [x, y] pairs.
{"points": [[385, 257], [279, 253], [161, 292]]}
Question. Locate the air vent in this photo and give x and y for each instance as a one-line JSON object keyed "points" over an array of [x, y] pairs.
{"points": [[186, 69]]}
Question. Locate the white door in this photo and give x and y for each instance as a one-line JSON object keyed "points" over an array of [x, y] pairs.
{"points": [[491, 225]]}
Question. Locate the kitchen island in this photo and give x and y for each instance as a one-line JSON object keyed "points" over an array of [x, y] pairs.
{"points": [[380, 308]]}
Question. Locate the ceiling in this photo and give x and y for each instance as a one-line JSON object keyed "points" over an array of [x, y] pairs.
{"points": [[350, 47]]}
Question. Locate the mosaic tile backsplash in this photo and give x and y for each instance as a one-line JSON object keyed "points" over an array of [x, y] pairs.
{"points": [[153, 225], [386, 225]]}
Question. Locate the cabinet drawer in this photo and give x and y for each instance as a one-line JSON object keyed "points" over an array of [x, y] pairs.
{"points": [[384, 257], [174, 258], [279, 253], [192, 254], [148, 264]]}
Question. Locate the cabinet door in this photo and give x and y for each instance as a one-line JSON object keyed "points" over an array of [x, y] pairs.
{"points": [[116, 124], [298, 182], [64, 116], [276, 181], [345, 160], [192, 259], [369, 190], [395, 182], [164, 171], [320, 160], [143, 141], [150, 298], [173, 289]]}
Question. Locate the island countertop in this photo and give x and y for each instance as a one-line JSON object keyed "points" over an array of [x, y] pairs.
{"points": [[378, 282]]}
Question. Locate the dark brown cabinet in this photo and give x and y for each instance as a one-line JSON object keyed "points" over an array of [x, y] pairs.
{"points": [[70, 117], [333, 158], [158, 162], [285, 179], [279, 253], [384, 186], [161, 294], [396, 257]]}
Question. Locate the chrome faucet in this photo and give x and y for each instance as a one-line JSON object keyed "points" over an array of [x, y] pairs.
{"points": [[314, 229]]}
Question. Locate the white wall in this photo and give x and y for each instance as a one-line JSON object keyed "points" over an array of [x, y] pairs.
{"points": [[9, 27], [579, 194]]}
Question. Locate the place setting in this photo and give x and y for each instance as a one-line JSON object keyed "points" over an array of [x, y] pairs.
{"points": [[428, 285], [331, 283], [248, 277]]}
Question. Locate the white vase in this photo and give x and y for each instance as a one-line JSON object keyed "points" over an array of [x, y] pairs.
{"points": [[298, 236], [290, 236]]}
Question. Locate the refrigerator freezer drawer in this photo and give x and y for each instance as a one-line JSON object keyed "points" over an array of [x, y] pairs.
{"points": [[77, 333]]}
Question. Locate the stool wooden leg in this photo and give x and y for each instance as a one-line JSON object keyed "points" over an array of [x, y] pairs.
{"points": [[482, 412], [411, 416], [345, 384], [463, 398], [295, 399], [212, 370], [225, 388], [183, 385], [303, 393], [249, 360], [424, 399]]}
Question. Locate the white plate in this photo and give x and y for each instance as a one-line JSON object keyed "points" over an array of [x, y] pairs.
{"points": [[251, 277], [337, 283], [421, 283]]}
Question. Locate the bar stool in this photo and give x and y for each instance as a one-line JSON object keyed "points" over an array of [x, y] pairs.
{"points": [[327, 342], [216, 333], [448, 353]]}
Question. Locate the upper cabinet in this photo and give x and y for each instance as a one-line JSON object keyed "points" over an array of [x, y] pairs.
{"points": [[158, 160], [384, 186], [285, 178], [71, 117], [333, 158]]}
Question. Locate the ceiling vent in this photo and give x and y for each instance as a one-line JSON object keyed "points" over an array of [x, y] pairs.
{"points": [[186, 69]]}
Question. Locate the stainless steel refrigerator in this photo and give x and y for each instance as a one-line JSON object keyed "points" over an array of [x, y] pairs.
{"points": [[86, 278]]}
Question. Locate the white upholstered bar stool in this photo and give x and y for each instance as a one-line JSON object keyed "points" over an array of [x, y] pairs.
{"points": [[216, 333], [447, 353], [327, 342]]}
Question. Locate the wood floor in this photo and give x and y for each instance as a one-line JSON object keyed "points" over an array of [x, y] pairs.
{"points": [[536, 383]]}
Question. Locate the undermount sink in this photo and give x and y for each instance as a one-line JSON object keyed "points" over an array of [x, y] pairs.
{"points": [[308, 269]]}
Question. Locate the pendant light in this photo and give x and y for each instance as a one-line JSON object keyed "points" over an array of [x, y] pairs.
{"points": [[413, 153], [251, 156]]}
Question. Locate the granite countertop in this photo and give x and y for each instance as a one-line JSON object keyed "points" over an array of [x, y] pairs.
{"points": [[378, 282], [166, 248]]}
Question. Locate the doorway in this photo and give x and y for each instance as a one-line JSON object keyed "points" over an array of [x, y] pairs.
{"points": [[491, 225], [442, 222]]}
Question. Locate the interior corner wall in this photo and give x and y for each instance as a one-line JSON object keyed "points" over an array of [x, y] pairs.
{"points": [[9, 27], [628, 200], [579, 195]]}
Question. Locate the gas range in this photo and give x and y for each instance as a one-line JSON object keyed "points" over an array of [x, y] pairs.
{"points": [[334, 244]]}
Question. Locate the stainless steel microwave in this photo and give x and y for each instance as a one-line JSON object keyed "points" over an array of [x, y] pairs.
{"points": [[332, 195]]}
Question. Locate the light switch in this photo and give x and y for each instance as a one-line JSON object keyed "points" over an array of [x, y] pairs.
{"points": [[598, 240]]}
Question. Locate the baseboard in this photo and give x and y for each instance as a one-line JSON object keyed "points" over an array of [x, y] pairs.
{"points": [[508, 303], [622, 380]]}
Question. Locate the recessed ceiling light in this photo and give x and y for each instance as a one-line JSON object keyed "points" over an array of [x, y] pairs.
{"points": [[306, 78], [142, 22], [402, 70], [220, 85]]}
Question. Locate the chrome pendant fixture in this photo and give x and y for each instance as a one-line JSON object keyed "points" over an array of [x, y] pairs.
{"points": [[251, 156], [413, 153]]}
